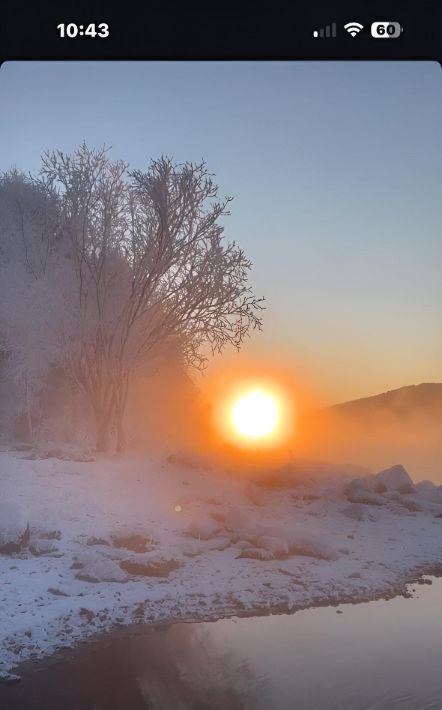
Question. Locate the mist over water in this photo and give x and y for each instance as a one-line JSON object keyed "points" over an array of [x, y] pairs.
{"points": [[402, 426]]}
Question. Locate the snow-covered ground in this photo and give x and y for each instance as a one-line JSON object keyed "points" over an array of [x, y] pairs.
{"points": [[87, 546]]}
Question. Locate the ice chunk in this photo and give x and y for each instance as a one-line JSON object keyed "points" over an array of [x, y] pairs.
{"points": [[426, 485], [429, 491], [366, 483], [98, 569], [360, 495], [397, 479]]}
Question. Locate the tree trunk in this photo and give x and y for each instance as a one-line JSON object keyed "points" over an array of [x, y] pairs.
{"points": [[121, 438], [120, 407], [28, 411], [102, 435]]}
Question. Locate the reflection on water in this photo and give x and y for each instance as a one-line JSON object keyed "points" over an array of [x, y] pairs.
{"points": [[185, 670], [376, 656], [175, 666]]}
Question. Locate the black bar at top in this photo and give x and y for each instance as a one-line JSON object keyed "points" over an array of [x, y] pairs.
{"points": [[161, 29]]}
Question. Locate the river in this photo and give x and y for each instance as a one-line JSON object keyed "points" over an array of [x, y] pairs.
{"points": [[378, 655]]}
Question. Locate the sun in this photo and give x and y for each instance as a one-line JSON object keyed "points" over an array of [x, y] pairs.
{"points": [[252, 411], [255, 415]]}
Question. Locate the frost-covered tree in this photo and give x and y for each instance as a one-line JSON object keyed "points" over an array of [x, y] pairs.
{"points": [[28, 237], [144, 262], [28, 223]]}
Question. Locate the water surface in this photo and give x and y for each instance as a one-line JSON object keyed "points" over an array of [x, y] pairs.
{"points": [[378, 655]]}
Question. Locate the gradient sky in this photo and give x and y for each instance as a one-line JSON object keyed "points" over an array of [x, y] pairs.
{"points": [[336, 173]]}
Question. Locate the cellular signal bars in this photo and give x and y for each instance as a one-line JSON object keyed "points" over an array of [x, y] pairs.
{"points": [[327, 31]]}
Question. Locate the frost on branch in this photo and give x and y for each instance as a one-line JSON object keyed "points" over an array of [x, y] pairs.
{"points": [[115, 268]]}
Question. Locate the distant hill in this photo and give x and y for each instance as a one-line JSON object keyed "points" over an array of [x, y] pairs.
{"points": [[414, 400], [400, 426]]}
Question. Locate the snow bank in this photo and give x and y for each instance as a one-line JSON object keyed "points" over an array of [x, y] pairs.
{"points": [[14, 528], [120, 541]]}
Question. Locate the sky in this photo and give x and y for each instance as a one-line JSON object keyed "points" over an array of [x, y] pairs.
{"points": [[335, 170]]}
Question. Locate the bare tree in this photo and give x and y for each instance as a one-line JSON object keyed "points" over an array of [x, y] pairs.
{"points": [[150, 266]]}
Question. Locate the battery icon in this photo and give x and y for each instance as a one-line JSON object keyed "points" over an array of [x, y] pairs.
{"points": [[386, 30]]}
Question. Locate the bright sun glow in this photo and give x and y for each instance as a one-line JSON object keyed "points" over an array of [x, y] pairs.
{"points": [[255, 415]]}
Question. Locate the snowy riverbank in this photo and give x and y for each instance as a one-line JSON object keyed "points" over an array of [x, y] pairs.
{"points": [[87, 546]]}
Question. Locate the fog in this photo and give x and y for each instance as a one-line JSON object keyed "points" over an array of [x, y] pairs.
{"points": [[377, 435], [113, 299]]}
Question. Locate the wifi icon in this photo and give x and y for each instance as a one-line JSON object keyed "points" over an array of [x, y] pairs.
{"points": [[353, 28]]}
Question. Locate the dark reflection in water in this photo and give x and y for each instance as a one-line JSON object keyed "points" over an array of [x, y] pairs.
{"points": [[376, 656], [175, 666]]}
